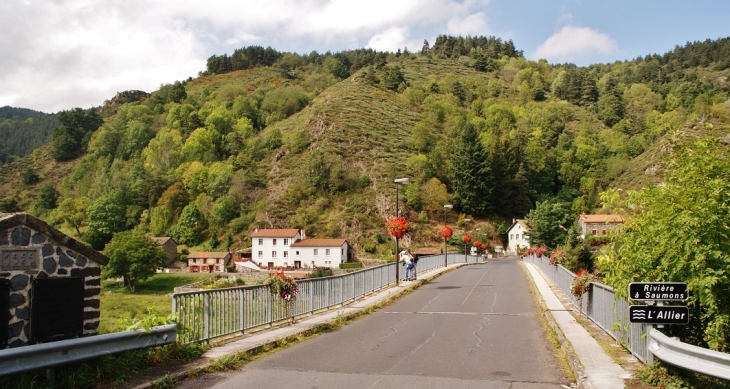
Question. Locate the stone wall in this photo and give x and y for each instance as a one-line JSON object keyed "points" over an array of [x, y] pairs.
{"points": [[47, 258]]}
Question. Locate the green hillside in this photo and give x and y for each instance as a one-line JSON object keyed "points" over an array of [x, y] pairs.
{"points": [[269, 139], [22, 131]]}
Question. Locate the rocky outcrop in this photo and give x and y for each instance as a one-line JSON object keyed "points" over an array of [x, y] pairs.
{"points": [[130, 96]]}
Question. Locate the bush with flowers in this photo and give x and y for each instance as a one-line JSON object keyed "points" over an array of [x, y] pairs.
{"points": [[582, 283], [557, 257], [540, 250], [283, 286]]}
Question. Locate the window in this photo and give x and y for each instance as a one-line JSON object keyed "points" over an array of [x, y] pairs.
{"points": [[511, 236], [342, 251], [274, 242], [261, 242], [594, 232], [286, 242], [327, 252], [261, 254], [286, 254], [316, 252], [523, 236], [297, 253], [273, 254]]}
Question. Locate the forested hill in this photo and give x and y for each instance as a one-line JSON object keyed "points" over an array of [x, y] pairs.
{"points": [[269, 139], [23, 130]]}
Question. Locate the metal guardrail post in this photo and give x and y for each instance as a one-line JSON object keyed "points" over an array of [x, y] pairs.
{"points": [[206, 319], [242, 309]]}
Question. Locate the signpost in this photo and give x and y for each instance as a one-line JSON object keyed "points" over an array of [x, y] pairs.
{"points": [[659, 313]]}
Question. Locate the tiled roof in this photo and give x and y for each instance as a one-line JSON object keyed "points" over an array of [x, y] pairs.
{"points": [[601, 218], [209, 254], [275, 233], [520, 222], [162, 240], [319, 243]]}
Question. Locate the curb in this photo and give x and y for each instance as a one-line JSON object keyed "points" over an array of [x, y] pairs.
{"points": [[581, 379]]}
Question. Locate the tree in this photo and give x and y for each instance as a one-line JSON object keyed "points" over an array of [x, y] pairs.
{"points": [[29, 176], [73, 212], [678, 231], [190, 227], [471, 174], [132, 256], [69, 140], [547, 223], [47, 197], [107, 215]]}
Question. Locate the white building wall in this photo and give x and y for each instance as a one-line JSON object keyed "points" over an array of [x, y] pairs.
{"points": [[263, 250], [517, 237], [308, 258]]}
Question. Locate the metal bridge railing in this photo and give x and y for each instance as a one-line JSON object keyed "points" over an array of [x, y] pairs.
{"points": [[208, 314]]}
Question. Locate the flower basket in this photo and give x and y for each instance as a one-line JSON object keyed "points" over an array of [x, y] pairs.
{"points": [[446, 232], [582, 283], [397, 227], [557, 257]]}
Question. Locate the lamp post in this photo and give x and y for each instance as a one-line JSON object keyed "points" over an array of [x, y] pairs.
{"points": [[479, 239], [398, 181], [466, 244], [446, 248]]}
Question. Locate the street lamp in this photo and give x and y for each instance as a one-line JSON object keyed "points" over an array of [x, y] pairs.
{"points": [[479, 239], [398, 181], [465, 243], [447, 206]]}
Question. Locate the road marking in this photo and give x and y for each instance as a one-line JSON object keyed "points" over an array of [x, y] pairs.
{"points": [[475, 286]]}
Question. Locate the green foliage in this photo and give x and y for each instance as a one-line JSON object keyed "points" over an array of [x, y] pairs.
{"points": [[70, 139], [47, 197], [106, 216], [351, 265], [319, 272], [547, 223], [23, 130], [677, 231], [133, 256], [29, 177], [190, 226]]}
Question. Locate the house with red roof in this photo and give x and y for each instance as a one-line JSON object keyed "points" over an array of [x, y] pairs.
{"points": [[290, 248], [597, 225], [208, 261], [319, 252]]}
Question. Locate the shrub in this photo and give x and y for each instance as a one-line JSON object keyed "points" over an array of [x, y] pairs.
{"points": [[320, 272], [351, 265]]}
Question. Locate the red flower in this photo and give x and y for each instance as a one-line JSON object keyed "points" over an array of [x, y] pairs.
{"points": [[466, 238], [484, 246], [397, 227], [446, 232], [477, 243]]}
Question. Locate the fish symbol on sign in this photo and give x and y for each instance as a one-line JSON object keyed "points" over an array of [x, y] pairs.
{"points": [[638, 314], [636, 295]]}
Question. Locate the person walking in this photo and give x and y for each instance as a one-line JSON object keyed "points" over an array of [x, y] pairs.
{"points": [[405, 258], [414, 260]]}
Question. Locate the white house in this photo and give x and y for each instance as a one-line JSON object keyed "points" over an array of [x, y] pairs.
{"points": [[272, 247], [517, 237], [319, 253]]}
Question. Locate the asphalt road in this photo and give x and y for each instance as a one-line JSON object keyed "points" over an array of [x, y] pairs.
{"points": [[475, 327]]}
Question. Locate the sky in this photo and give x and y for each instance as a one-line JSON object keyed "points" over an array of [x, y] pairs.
{"points": [[60, 54]]}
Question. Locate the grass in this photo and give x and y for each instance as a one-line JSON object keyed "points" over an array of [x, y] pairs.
{"points": [[120, 307]]}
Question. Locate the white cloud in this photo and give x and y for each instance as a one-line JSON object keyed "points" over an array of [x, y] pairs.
{"points": [[573, 43], [474, 24], [62, 54]]}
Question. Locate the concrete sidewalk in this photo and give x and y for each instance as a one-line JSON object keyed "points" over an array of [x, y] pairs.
{"points": [[592, 367]]}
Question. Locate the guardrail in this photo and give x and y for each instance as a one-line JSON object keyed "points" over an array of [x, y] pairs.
{"points": [[53, 354], [689, 357], [612, 315], [209, 314]]}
